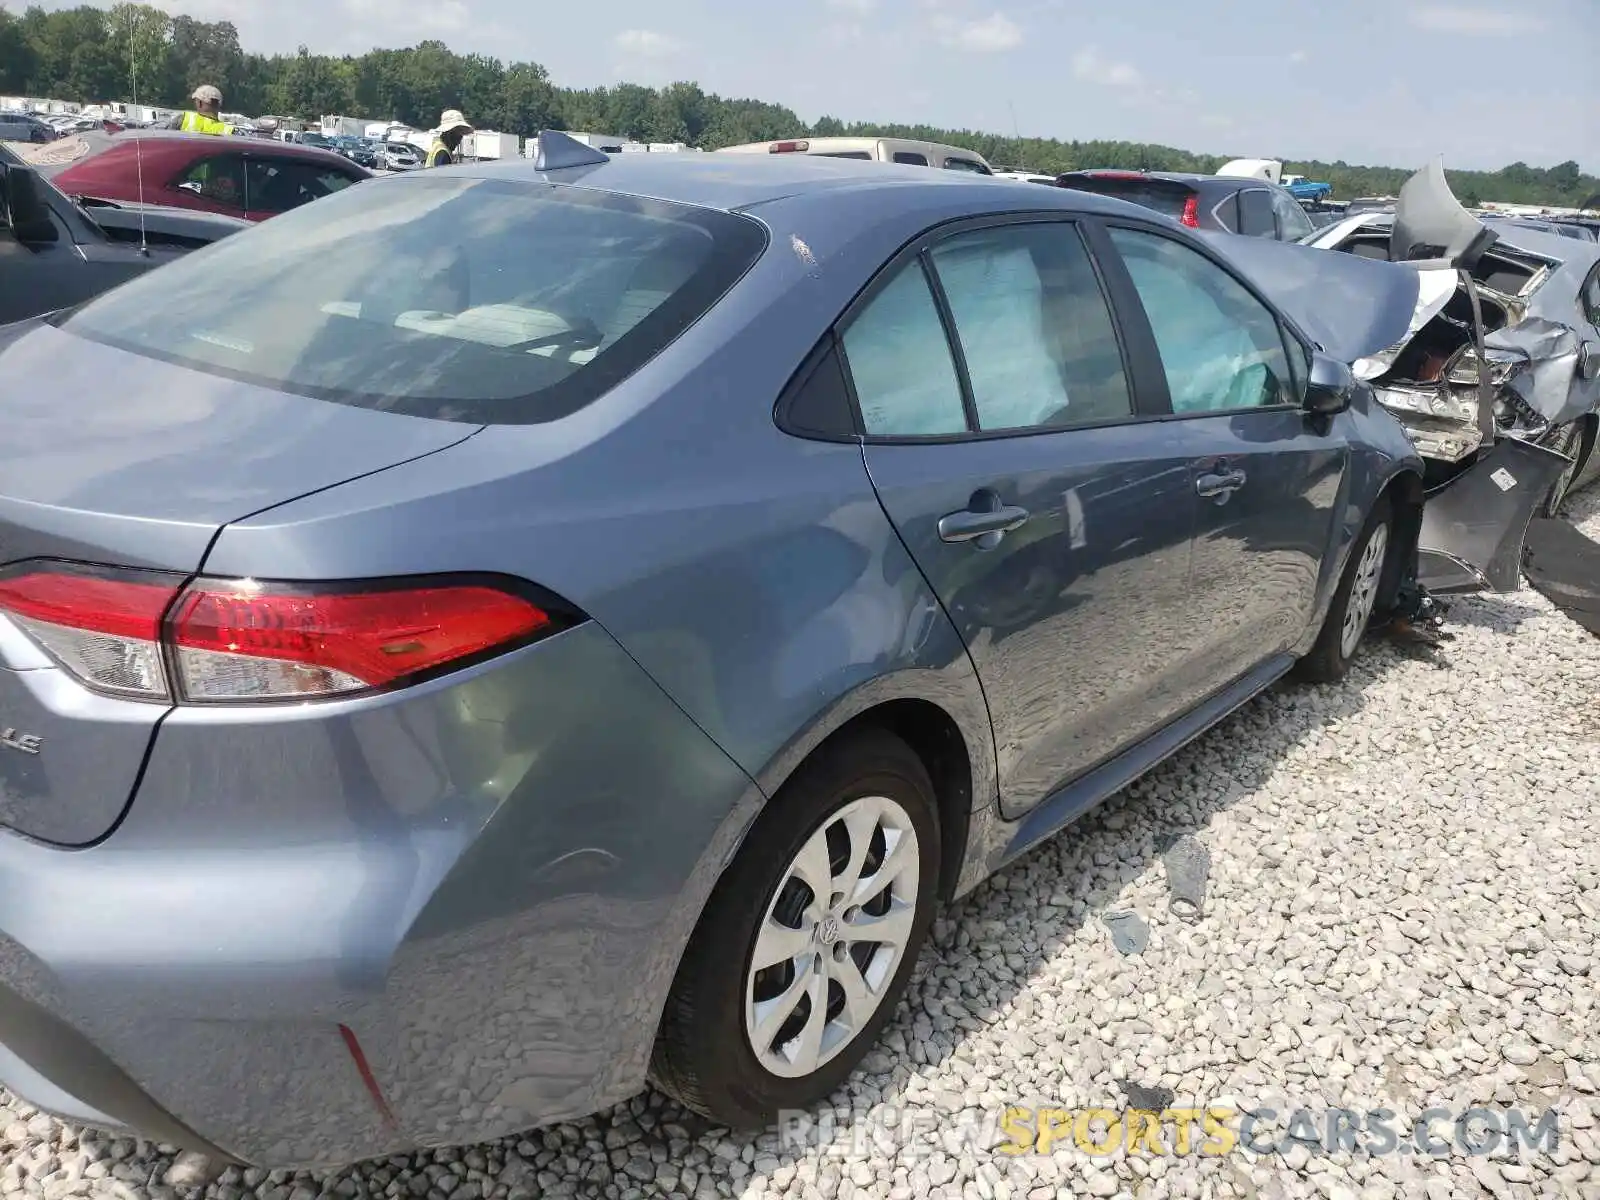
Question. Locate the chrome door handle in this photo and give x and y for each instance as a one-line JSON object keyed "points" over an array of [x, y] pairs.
{"points": [[970, 526], [1219, 486]]}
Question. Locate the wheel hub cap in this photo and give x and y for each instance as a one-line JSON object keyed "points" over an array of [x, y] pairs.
{"points": [[833, 937]]}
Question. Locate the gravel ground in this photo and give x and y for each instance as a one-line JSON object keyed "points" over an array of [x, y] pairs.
{"points": [[1402, 912]]}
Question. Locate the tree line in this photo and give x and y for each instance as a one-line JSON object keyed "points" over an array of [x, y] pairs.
{"points": [[92, 54]]}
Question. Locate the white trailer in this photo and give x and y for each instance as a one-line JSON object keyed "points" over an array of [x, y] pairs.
{"points": [[486, 144], [1269, 169], [337, 126]]}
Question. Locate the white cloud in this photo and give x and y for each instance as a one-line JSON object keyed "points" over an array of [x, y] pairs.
{"points": [[646, 43], [859, 8], [1474, 22], [1090, 66], [1299, 56], [992, 34]]}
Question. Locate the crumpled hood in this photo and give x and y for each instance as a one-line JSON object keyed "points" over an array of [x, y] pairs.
{"points": [[1351, 307]]}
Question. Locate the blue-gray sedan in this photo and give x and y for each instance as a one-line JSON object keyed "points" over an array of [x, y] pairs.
{"points": [[498, 636]]}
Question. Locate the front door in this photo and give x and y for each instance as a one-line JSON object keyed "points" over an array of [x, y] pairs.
{"points": [[1266, 478], [1005, 442]]}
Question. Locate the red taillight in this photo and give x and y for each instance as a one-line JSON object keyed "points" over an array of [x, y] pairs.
{"points": [[788, 147], [1191, 212], [245, 640], [103, 626]]}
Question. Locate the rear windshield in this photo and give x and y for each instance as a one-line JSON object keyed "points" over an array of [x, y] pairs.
{"points": [[458, 298], [1163, 196]]}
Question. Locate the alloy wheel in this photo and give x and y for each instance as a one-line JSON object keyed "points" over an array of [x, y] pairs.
{"points": [[833, 937], [1364, 590]]}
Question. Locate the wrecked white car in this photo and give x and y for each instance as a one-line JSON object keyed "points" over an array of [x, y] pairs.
{"points": [[1504, 341]]}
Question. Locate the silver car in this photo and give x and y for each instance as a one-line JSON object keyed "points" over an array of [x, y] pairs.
{"points": [[494, 637]]}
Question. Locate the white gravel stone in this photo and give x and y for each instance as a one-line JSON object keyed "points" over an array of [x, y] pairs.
{"points": [[1402, 912]]}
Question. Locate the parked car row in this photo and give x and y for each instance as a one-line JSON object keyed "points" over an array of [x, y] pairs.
{"points": [[570, 623]]}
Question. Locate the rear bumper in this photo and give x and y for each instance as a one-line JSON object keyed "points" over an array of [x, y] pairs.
{"points": [[328, 933]]}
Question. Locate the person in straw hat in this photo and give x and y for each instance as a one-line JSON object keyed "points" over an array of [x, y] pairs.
{"points": [[446, 148]]}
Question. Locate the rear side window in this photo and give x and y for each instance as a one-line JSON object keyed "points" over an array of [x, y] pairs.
{"points": [[458, 298], [275, 185], [859, 154], [1162, 197], [1040, 348], [965, 164], [1256, 218], [907, 158], [900, 364]]}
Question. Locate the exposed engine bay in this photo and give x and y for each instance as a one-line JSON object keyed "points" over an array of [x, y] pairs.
{"points": [[1500, 345]]}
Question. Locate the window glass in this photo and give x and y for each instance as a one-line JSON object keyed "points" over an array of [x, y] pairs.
{"points": [[459, 298], [900, 362], [1255, 214], [1293, 224], [278, 184], [909, 159], [1221, 347], [964, 164], [1591, 297], [1163, 196], [1034, 327], [857, 154], [220, 180]]}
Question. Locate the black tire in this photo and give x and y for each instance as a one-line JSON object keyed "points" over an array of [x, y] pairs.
{"points": [[1568, 441], [1328, 660], [703, 1055]]}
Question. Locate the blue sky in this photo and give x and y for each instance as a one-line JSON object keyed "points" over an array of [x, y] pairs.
{"points": [[1391, 82]]}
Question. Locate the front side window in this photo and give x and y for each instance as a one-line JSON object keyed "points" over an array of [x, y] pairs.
{"points": [[220, 179], [1222, 349], [1035, 330], [1293, 224], [1591, 297], [1256, 218], [899, 358], [965, 164], [464, 299]]}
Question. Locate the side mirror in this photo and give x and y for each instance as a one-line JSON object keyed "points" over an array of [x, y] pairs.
{"points": [[1589, 361], [1330, 387], [31, 223], [190, 186]]}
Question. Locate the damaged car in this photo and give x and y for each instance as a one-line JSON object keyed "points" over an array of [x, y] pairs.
{"points": [[573, 620], [1503, 344]]}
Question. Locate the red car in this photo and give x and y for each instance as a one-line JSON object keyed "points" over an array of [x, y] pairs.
{"points": [[243, 177]]}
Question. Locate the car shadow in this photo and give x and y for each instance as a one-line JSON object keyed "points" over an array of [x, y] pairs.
{"points": [[1111, 848]]}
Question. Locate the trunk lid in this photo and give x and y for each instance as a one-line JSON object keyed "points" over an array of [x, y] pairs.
{"points": [[113, 458]]}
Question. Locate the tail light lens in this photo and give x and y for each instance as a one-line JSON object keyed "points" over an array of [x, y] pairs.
{"points": [[1191, 212], [153, 637]]}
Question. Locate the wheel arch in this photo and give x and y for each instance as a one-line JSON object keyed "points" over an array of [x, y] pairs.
{"points": [[950, 734], [1405, 493]]}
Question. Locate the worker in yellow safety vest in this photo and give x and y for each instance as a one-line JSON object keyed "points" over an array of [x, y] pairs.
{"points": [[447, 139], [204, 117]]}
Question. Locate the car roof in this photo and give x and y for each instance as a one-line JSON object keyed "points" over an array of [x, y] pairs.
{"points": [[207, 141], [732, 182]]}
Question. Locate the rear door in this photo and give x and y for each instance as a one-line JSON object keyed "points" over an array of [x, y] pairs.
{"points": [[1004, 434], [1265, 478]]}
